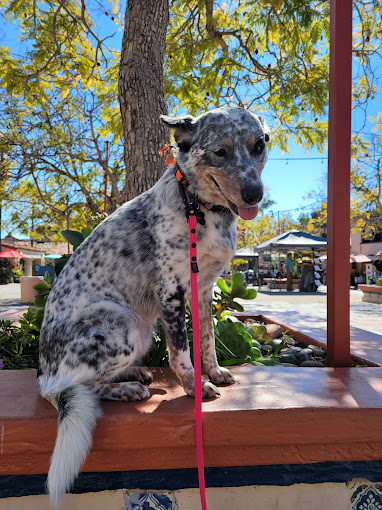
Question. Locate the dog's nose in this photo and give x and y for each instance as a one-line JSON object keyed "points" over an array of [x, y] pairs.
{"points": [[252, 194]]}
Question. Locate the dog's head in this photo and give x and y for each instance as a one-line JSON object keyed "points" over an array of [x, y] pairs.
{"points": [[222, 153]]}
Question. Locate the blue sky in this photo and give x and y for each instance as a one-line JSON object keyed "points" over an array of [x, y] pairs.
{"points": [[290, 181]]}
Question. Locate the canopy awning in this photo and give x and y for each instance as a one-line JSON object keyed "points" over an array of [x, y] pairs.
{"points": [[293, 240], [12, 254], [245, 253]]}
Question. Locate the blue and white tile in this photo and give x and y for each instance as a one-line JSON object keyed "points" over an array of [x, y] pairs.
{"points": [[148, 501], [365, 495]]}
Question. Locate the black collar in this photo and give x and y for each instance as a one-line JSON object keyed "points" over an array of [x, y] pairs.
{"points": [[192, 201]]}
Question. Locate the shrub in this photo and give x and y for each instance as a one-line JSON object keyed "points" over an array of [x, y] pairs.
{"points": [[16, 275], [19, 344], [379, 281]]}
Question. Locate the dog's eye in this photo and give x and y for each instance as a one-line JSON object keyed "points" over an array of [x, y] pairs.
{"points": [[221, 153], [259, 147]]}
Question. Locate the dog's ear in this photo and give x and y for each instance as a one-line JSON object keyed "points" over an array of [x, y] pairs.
{"points": [[265, 128], [184, 126]]}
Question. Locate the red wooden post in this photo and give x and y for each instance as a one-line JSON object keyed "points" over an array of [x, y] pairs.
{"points": [[338, 275]]}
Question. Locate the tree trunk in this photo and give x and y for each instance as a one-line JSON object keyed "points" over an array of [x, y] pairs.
{"points": [[141, 93]]}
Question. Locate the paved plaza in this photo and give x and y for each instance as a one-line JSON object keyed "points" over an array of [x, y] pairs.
{"points": [[305, 312]]}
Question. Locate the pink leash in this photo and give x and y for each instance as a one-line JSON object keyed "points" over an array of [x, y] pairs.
{"points": [[197, 363]]}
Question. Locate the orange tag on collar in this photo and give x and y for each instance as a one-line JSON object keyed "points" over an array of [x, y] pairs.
{"points": [[170, 158], [180, 177]]}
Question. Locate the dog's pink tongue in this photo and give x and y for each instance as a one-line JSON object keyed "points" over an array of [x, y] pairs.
{"points": [[248, 213]]}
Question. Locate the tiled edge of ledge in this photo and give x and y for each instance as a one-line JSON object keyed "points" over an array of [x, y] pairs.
{"points": [[177, 479], [271, 416]]}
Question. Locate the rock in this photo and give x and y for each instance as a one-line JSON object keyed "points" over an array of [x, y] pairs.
{"points": [[275, 342], [301, 357], [274, 330], [311, 363], [306, 351], [291, 350], [317, 351], [268, 349], [251, 323], [286, 358]]}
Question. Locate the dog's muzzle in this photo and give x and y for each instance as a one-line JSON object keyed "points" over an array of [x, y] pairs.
{"points": [[251, 195]]}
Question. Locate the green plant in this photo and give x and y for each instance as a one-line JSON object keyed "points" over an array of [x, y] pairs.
{"points": [[19, 344], [229, 290], [379, 281], [235, 342], [16, 275]]}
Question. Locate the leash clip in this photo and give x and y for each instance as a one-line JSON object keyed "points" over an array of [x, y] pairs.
{"points": [[194, 267]]}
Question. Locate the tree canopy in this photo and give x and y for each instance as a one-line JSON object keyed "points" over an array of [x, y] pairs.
{"points": [[59, 103]]}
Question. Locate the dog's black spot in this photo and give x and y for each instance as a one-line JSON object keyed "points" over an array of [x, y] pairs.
{"points": [[39, 370], [77, 276], [64, 405], [184, 146], [126, 252], [99, 337], [173, 315], [128, 350]]}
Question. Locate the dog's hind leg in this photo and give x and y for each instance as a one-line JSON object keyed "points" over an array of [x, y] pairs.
{"points": [[173, 316], [218, 375], [131, 391]]}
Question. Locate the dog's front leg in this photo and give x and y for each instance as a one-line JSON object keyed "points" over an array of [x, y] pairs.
{"points": [[173, 316], [218, 375]]}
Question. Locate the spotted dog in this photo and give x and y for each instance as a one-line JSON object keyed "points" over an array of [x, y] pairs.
{"points": [[134, 268]]}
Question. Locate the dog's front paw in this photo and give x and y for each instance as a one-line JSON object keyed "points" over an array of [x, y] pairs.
{"points": [[141, 374], [221, 375], [127, 391], [208, 390]]}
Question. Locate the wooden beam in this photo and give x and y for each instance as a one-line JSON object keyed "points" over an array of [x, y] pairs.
{"points": [[338, 277]]}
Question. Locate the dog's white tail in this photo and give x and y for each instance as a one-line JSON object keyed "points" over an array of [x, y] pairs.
{"points": [[78, 409]]}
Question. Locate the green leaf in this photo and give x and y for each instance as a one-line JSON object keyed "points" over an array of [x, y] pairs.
{"points": [[73, 237], [237, 306], [278, 348], [257, 331], [223, 286], [41, 286], [86, 232], [238, 279], [40, 301], [251, 294], [59, 266], [255, 353], [256, 344]]}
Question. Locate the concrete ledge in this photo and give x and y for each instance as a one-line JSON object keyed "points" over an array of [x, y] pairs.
{"points": [[375, 289], [272, 415], [371, 293]]}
